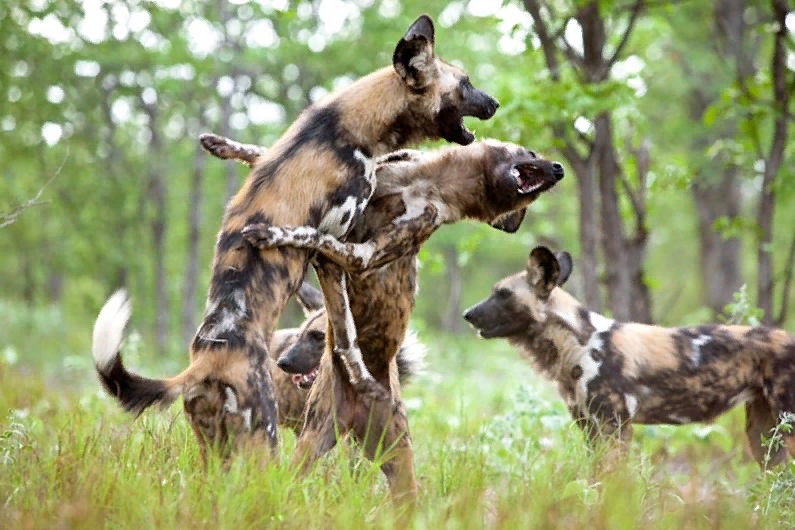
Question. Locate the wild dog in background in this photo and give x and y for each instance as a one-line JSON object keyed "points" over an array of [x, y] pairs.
{"points": [[320, 174], [416, 193], [613, 374], [304, 347]]}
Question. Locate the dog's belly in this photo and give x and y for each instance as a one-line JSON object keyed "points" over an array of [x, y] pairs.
{"points": [[381, 304]]}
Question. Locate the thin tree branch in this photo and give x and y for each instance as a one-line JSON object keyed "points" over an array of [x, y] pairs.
{"points": [[633, 17], [785, 291], [11, 217]]}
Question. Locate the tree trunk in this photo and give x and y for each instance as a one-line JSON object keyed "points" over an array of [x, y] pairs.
{"points": [[188, 323], [452, 315], [781, 97], [719, 256], [589, 235], [617, 273]]}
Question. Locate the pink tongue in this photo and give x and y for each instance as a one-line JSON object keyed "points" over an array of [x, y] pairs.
{"points": [[296, 378]]}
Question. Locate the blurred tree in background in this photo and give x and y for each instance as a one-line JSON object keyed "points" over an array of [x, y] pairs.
{"points": [[671, 117]]}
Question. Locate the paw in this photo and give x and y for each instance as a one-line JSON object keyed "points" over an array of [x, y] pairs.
{"points": [[258, 234]]}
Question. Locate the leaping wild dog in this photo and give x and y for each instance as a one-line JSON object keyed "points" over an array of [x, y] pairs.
{"points": [[304, 347], [416, 193], [320, 174], [613, 374]]}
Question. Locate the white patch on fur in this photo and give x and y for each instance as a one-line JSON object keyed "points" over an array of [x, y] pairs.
{"points": [[369, 168], [109, 329], [741, 397], [679, 420], [590, 369], [414, 204], [632, 404], [332, 222], [354, 353], [230, 405], [247, 418], [599, 322], [413, 352], [229, 317], [696, 345]]}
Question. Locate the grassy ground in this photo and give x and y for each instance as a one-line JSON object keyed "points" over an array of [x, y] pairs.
{"points": [[494, 449]]}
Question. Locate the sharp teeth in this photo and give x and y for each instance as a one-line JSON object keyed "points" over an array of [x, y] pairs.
{"points": [[515, 173]]}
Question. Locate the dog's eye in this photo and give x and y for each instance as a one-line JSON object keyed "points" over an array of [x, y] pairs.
{"points": [[317, 336], [503, 294]]}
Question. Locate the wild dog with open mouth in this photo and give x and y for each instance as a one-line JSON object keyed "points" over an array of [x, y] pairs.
{"points": [[320, 174], [303, 347], [416, 193], [613, 374]]}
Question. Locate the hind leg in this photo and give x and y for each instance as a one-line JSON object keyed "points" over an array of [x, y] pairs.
{"points": [[759, 421], [779, 390], [384, 433]]}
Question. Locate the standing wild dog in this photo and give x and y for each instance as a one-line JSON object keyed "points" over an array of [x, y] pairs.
{"points": [[320, 174], [416, 193], [612, 374], [304, 347]]}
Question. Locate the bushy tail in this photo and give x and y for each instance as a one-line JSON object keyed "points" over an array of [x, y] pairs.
{"points": [[410, 357], [134, 393]]}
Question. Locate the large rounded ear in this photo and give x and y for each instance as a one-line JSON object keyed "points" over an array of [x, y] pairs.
{"points": [[310, 298], [543, 271], [566, 264], [413, 57], [509, 222]]}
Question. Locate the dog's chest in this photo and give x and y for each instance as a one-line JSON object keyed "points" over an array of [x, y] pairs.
{"points": [[347, 203]]}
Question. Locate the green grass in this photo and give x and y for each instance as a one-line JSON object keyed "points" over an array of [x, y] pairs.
{"points": [[494, 449]]}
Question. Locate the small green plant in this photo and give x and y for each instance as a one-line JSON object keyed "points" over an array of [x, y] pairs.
{"points": [[741, 311]]}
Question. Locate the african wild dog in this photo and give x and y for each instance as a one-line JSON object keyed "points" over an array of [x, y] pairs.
{"points": [[304, 347], [319, 173], [612, 374], [416, 193]]}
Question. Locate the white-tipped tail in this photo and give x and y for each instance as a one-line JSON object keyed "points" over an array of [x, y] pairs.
{"points": [[109, 329], [411, 357]]}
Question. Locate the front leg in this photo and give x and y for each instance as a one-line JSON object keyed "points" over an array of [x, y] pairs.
{"points": [[394, 241], [343, 330]]}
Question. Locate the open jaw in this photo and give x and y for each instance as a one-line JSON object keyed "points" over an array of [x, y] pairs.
{"points": [[528, 181], [305, 381]]}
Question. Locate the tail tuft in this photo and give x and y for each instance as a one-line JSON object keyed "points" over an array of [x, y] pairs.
{"points": [[411, 357], [109, 330], [133, 392]]}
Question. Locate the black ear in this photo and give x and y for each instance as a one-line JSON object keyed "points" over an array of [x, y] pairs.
{"points": [[413, 56], [509, 222], [543, 271], [310, 298], [564, 260]]}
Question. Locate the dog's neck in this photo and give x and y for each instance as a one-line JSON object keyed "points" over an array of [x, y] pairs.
{"points": [[557, 346], [377, 111], [452, 178]]}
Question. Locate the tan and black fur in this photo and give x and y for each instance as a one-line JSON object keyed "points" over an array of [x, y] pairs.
{"points": [[613, 374], [320, 174], [416, 193], [304, 347]]}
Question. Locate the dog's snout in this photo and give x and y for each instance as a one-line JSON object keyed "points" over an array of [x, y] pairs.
{"points": [[287, 364], [467, 315], [557, 170]]}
